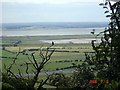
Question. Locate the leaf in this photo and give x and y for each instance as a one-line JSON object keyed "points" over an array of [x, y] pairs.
{"points": [[106, 3], [108, 15], [114, 6], [101, 4], [106, 12], [105, 7]]}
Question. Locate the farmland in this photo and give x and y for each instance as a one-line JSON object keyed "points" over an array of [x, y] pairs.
{"points": [[63, 58]]}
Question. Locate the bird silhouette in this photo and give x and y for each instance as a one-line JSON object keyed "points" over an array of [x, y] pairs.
{"points": [[52, 43]]}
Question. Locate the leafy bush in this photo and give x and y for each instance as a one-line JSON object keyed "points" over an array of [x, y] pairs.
{"points": [[60, 80], [7, 86], [104, 62]]}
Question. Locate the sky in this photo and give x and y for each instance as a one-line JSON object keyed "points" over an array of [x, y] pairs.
{"points": [[24, 11]]}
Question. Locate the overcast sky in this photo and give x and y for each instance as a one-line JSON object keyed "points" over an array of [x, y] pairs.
{"points": [[52, 11]]}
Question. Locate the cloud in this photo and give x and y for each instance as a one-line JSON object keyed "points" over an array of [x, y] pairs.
{"points": [[50, 1]]}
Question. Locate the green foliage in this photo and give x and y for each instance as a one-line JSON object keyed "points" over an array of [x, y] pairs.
{"points": [[60, 80], [18, 83], [107, 52], [82, 76], [7, 86], [114, 85], [104, 62]]}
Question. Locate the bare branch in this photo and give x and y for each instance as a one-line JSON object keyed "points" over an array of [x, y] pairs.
{"points": [[12, 74], [20, 74], [34, 60], [31, 62], [27, 70], [11, 65], [42, 83]]}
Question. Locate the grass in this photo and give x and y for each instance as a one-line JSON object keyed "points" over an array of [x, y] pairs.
{"points": [[51, 65], [30, 42], [33, 42]]}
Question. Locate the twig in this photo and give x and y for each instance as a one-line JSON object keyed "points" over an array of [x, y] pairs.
{"points": [[31, 62], [36, 65], [27, 70], [19, 72]]}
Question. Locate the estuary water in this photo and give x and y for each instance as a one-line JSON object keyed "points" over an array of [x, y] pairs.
{"points": [[51, 28]]}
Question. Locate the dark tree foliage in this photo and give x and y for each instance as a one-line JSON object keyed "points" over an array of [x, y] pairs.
{"points": [[104, 62], [60, 80], [82, 76], [102, 65]]}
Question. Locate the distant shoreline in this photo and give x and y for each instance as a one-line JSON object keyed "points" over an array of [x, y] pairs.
{"points": [[57, 39], [51, 32], [71, 41]]}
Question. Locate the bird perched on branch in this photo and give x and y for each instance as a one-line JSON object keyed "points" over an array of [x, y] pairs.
{"points": [[52, 43]]}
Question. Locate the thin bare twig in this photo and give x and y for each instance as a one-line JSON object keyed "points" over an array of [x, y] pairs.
{"points": [[42, 83], [31, 62], [27, 70], [20, 74], [36, 65], [14, 62]]}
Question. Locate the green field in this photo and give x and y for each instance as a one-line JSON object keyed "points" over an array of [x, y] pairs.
{"points": [[58, 60]]}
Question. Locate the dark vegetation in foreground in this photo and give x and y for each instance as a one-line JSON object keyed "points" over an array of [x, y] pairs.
{"points": [[100, 70]]}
